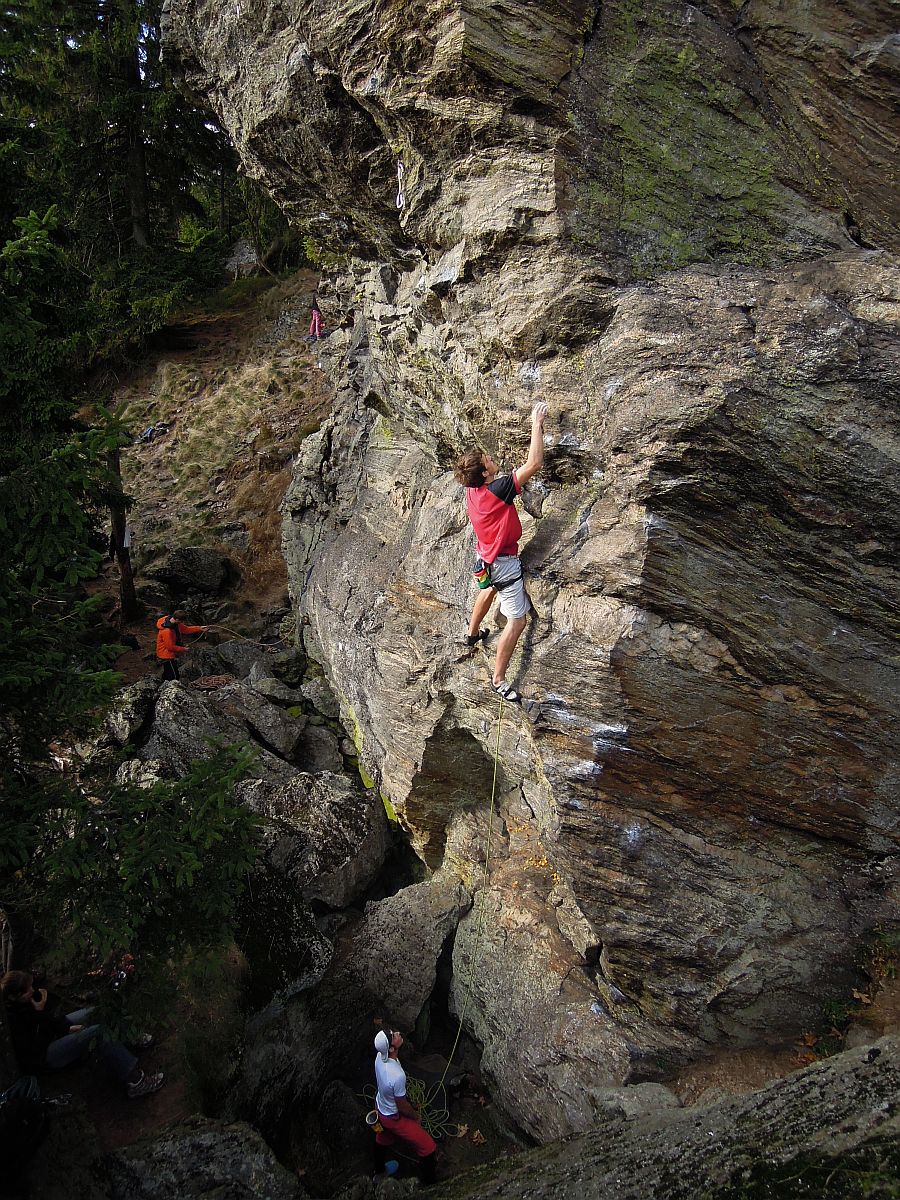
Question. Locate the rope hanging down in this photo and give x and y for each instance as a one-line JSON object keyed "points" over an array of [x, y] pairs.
{"points": [[484, 883], [431, 1103]]}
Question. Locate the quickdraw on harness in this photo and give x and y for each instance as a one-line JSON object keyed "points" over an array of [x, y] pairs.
{"points": [[482, 575]]}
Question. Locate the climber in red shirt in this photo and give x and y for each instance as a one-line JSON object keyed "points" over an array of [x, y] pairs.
{"points": [[168, 641], [490, 500]]}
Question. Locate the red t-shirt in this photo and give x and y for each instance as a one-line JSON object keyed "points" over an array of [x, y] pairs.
{"points": [[492, 511]]}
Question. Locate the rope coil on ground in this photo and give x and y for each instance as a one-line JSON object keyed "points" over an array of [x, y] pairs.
{"points": [[430, 1103]]}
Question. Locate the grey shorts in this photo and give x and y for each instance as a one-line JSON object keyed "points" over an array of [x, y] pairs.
{"points": [[514, 601]]}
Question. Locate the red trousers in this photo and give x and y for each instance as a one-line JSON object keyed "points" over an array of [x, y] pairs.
{"points": [[405, 1129], [315, 325]]}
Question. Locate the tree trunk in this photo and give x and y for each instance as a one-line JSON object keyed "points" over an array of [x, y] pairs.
{"points": [[137, 186], [128, 604], [129, 71], [8, 1071]]}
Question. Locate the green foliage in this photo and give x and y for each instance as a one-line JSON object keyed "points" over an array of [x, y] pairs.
{"points": [[239, 292], [52, 666], [278, 246], [318, 256], [150, 869], [679, 166], [211, 1017], [836, 1012], [157, 872], [38, 338], [116, 200]]}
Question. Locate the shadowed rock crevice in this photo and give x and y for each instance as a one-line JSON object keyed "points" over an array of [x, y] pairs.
{"points": [[455, 776]]}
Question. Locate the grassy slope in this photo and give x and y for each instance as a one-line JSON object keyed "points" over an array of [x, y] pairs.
{"points": [[239, 397]]}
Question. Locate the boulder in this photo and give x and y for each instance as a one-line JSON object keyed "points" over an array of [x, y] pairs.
{"points": [[292, 1051], [415, 925], [555, 1052], [263, 681], [327, 838], [68, 1162], [273, 689], [242, 259], [818, 1132], [185, 724], [676, 225], [268, 724], [195, 569], [289, 666], [201, 1157], [317, 693], [384, 968], [278, 933], [135, 773], [318, 750], [342, 1121], [343, 1144], [633, 1101], [240, 657], [131, 709]]}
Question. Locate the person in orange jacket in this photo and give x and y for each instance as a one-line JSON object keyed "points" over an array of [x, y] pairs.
{"points": [[168, 641]]}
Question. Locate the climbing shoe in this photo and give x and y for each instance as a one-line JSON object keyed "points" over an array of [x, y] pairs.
{"points": [[472, 639], [507, 691]]}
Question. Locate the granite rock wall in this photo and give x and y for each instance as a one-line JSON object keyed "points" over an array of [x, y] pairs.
{"points": [[675, 225]]}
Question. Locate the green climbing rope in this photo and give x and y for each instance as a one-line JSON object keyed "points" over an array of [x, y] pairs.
{"points": [[429, 1102]]}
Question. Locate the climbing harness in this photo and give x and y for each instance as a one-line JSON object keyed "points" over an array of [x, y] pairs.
{"points": [[506, 582], [401, 194]]}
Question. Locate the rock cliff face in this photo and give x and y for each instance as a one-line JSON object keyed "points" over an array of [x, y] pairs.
{"points": [[830, 1131], [674, 224]]}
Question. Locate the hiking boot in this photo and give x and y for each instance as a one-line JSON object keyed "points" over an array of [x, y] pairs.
{"points": [[146, 1085]]}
